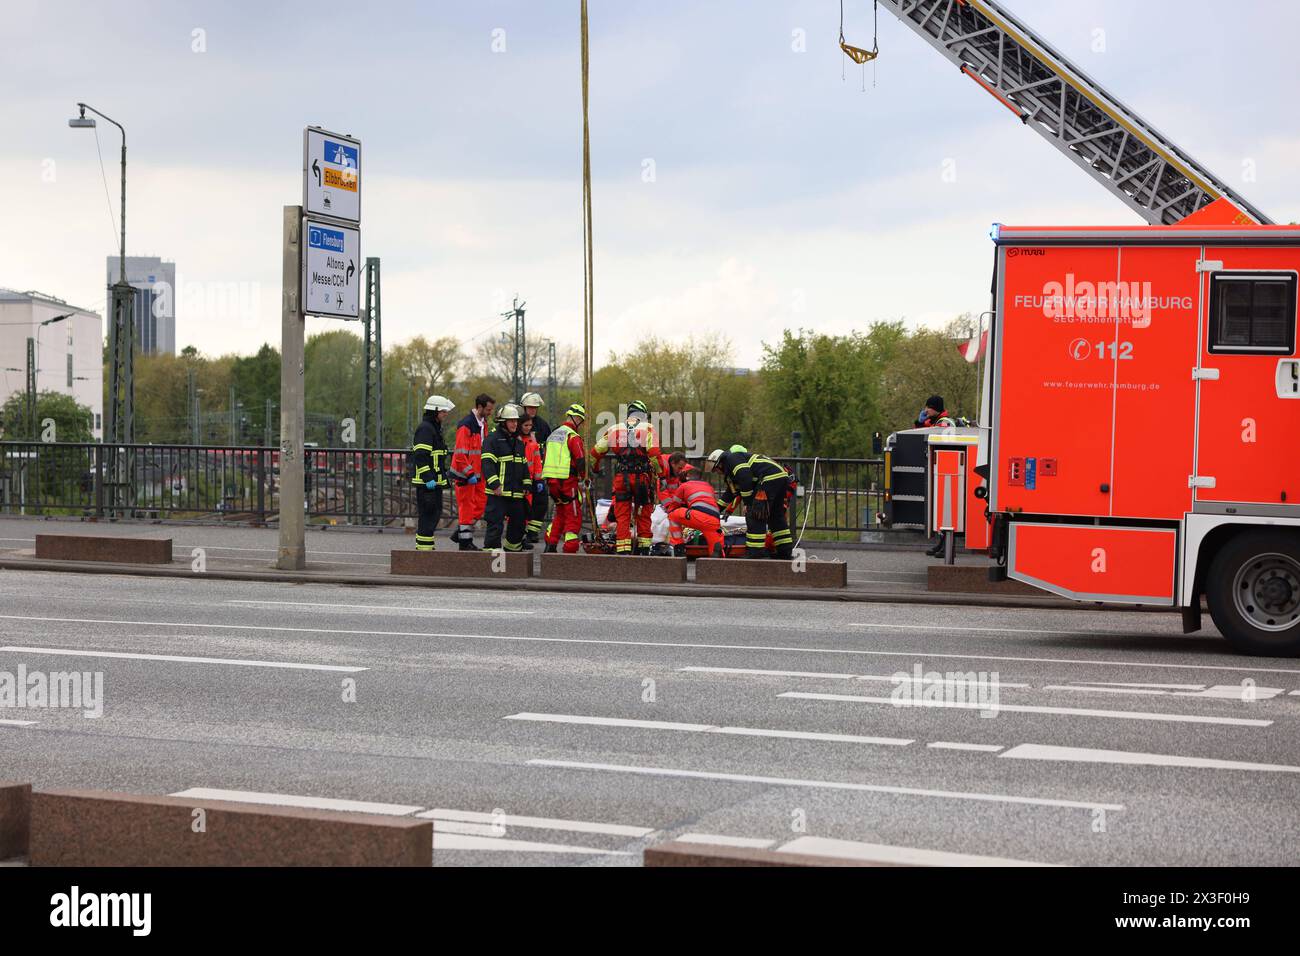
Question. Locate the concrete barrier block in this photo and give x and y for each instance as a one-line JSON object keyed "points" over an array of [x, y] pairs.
{"points": [[98, 828], [752, 572], [462, 564], [614, 568], [92, 547], [704, 854], [15, 818], [973, 579]]}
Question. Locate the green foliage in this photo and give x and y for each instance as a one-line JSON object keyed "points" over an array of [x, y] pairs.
{"points": [[72, 422]]}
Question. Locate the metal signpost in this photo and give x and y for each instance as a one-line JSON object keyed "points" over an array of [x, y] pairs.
{"points": [[322, 268]]}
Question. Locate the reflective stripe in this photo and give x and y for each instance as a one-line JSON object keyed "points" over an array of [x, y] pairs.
{"points": [[422, 447], [468, 451]]}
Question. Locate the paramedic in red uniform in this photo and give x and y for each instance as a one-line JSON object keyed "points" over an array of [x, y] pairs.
{"points": [[668, 482], [467, 469], [636, 463], [692, 503], [564, 468]]}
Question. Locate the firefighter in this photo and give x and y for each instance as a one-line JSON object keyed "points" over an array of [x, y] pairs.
{"points": [[692, 503], [934, 414], [429, 456], [541, 431], [467, 469], [636, 465], [505, 479], [536, 490], [564, 468], [530, 403], [764, 488]]}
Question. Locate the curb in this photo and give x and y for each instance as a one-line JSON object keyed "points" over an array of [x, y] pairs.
{"points": [[565, 587]]}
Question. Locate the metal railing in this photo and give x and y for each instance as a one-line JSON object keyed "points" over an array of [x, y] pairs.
{"points": [[839, 497]]}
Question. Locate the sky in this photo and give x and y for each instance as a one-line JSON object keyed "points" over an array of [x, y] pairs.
{"points": [[744, 182]]}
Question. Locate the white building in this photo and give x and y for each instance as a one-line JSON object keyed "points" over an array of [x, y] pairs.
{"points": [[69, 353], [153, 307]]}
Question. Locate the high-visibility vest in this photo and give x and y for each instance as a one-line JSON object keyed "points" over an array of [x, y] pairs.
{"points": [[559, 463]]}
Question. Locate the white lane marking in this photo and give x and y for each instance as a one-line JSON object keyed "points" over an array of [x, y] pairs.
{"points": [[17, 723], [468, 829], [949, 745], [999, 630], [477, 612], [1111, 683], [905, 678], [1219, 691], [1139, 691], [749, 648], [824, 784], [1089, 755], [1031, 709], [536, 823], [717, 839], [900, 678], [458, 841], [883, 853], [292, 800], [288, 665], [709, 729], [763, 673], [610, 722]]}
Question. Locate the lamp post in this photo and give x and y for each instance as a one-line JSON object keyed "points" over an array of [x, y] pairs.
{"points": [[121, 404]]}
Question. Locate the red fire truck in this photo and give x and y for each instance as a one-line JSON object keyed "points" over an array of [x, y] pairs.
{"points": [[1141, 401], [1142, 398]]}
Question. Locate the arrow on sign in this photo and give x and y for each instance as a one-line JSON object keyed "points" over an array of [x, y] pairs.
{"points": [[315, 168], [352, 267]]}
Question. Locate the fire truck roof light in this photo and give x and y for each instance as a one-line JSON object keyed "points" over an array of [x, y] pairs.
{"points": [[995, 231]]}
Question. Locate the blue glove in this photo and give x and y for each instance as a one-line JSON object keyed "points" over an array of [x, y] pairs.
{"points": [[431, 483], [541, 487], [473, 480]]}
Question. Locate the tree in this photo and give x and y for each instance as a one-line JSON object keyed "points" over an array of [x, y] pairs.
{"points": [[430, 365], [72, 422], [829, 386], [333, 383], [494, 361]]}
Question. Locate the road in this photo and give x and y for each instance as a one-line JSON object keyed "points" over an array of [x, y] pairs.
{"points": [[576, 729]]}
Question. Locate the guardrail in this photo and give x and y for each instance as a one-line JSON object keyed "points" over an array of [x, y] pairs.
{"points": [[839, 497]]}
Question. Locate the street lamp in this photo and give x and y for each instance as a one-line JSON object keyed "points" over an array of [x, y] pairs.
{"points": [[84, 122], [120, 432]]}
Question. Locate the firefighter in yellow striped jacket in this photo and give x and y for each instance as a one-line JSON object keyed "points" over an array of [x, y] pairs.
{"points": [[505, 475], [429, 469]]}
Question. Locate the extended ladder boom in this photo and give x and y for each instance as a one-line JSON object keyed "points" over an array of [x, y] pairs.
{"points": [[1115, 145]]}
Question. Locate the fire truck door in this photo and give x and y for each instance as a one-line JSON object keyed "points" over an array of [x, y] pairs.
{"points": [[1248, 379]]}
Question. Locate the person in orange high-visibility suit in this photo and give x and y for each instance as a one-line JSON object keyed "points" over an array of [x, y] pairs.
{"points": [[467, 470], [691, 502], [636, 466], [564, 468], [533, 452], [668, 482]]}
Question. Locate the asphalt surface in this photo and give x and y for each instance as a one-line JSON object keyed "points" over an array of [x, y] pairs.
{"points": [[577, 729]]}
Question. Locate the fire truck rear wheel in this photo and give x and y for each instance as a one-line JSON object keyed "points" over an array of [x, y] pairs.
{"points": [[1253, 589]]}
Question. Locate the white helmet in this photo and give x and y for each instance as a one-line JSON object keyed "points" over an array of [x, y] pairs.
{"points": [[531, 400], [439, 403]]}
